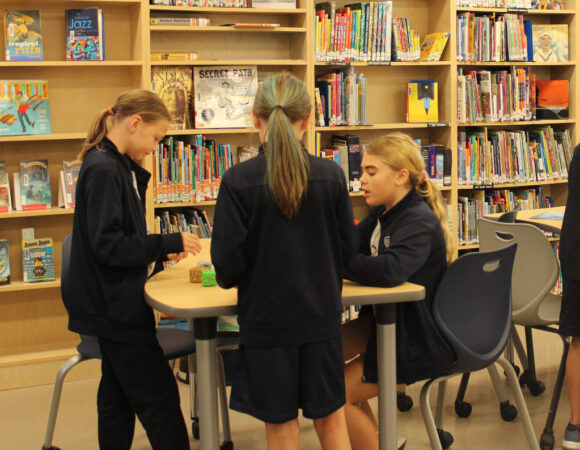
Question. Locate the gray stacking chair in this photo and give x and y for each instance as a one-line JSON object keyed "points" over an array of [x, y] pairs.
{"points": [[472, 307], [174, 342], [534, 306]]}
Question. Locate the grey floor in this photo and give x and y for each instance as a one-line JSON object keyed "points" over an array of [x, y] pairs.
{"points": [[23, 415]]}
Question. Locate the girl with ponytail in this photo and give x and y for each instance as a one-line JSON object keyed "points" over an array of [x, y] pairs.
{"points": [[404, 238], [283, 233]]}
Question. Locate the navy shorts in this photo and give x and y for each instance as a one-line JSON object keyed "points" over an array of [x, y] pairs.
{"points": [[570, 312], [272, 383]]}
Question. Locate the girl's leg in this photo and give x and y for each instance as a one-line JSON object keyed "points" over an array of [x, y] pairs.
{"points": [[362, 428], [283, 436], [355, 335], [332, 431], [573, 380]]}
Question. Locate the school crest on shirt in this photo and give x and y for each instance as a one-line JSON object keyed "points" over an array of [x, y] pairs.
{"points": [[387, 241]]}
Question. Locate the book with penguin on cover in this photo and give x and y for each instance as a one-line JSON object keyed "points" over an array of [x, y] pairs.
{"points": [[24, 107], [23, 35], [173, 85]]}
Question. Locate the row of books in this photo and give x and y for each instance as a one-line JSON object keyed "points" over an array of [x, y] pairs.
{"points": [[189, 172], [85, 37], [222, 95], [357, 32], [37, 259], [438, 161], [181, 21], [341, 99], [190, 220], [270, 4], [509, 96], [513, 156], [526, 4], [32, 185], [480, 203], [24, 107], [346, 151]]}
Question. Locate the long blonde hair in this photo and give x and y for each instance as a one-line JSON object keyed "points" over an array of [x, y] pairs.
{"points": [[137, 101], [281, 101], [399, 151]]}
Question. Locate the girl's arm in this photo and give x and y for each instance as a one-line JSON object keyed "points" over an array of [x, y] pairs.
{"points": [[230, 233], [409, 249], [104, 220]]}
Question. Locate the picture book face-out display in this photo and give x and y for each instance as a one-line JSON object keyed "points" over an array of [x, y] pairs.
{"points": [[24, 107], [550, 42], [84, 35], [224, 96], [37, 260], [173, 85], [23, 35], [34, 185]]}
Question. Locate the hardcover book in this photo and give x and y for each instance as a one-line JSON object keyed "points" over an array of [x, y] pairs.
{"points": [[422, 101], [550, 42], [552, 99], [85, 37], [24, 107], [5, 200], [23, 35], [173, 85], [34, 185], [4, 262], [224, 96], [38, 260]]}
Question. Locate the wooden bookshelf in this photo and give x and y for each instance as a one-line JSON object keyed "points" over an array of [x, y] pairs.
{"points": [[34, 329]]}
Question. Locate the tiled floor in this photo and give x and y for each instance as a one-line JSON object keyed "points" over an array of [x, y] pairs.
{"points": [[23, 415]]}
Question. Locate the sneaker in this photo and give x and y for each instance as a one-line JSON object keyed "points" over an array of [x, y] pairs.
{"points": [[572, 437]]}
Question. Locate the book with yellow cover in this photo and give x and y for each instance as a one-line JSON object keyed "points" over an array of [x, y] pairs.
{"points": [[422, 101], [174, 56]]}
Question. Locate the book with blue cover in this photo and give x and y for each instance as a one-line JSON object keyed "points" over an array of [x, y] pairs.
{"points": [[4, 262], [23, 35], [85, 37], [38, 260], [549, 215], [24, 107]]}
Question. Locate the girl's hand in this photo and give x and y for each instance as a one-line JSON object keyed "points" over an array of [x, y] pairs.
{"points": [[177, 256], [191, 243]]}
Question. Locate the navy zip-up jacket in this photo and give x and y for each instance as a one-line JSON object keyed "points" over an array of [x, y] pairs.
{"points": [[411, 248], [110, 249], [288, 271]]}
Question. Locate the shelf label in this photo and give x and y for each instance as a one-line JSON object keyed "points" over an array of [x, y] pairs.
{"points": [[379, 63], [437, 124], [481, 187], [518, 10]]}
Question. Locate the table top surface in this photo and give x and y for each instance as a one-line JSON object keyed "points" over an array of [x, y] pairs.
{"points": [[171, 292], [527, 215]]}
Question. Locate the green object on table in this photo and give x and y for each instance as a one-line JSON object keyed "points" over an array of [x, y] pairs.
{"points": [[208, 278]]}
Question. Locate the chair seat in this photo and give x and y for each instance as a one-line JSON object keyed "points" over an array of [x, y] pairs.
{"points": [[548, 312], [174, 343]]}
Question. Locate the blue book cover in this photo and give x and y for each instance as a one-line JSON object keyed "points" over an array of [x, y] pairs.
{"points": [[23, 35], [529, 39], [24, 107], [4, 262], [85, 37], [38, 260]]}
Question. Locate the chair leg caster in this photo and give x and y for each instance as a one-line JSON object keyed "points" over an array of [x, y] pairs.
{"points": [[462, 409], [227, 445], [547, 441], [52, 447], [508, 412], [404, 402], [445, 438], [535, 386], [195, 428]]}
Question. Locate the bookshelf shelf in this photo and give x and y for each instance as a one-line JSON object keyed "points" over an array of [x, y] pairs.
{"points": [[183, 204], [386, 64], [42, 213], [516, 63], [521, 123], [44, 137], [513, 185], [213, 131], [70, 64], [218, 29], [381, 126], [235, 62], [237, 11], [531, 12], [20, 286]]}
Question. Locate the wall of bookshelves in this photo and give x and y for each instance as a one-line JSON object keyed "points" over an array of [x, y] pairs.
{"points": [[33, 322]]}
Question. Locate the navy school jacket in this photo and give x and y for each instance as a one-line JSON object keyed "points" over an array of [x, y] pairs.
{"points": [[570, 236]]}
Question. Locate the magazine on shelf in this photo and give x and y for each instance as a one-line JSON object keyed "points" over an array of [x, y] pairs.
{"points": [[85, 37], [23, 35], [24, 107], [224, 96]]}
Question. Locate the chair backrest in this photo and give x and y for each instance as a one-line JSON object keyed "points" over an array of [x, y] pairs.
{"points": [[472, 306], [509, 216], [535, 267]]}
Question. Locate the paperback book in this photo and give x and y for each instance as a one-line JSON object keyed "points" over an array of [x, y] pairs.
{"points": [[68, 182], [85, 37], [38, 260], [173, 85], [5, 200], [224, 96], [34, 185], [4, 262], [23, 35], [550, 42], [422, 101], [24, 107]]}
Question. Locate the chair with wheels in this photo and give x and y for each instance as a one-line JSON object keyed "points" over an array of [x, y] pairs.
{"points": [[472, 307], [174, 342], [534, 306]]}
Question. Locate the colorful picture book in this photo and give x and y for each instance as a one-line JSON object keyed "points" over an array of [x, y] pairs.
{"points": [[23, 35], [4, 262], [38, 260], [552, 99], [433, 46], [5, 200], [24, 107], [85, 37], [34, 185], [550, 42], [68, 182], [224, 96], [173, 85], [422, 101]]}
